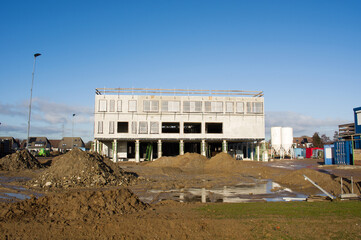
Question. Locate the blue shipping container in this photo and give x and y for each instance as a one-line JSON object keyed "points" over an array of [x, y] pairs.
{"points": [[328, 154], [299, 153], [343, 152]]}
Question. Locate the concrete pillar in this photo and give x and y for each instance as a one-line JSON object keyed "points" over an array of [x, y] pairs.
{"points": [[94, 145], [101, 147], [98, 146], [181, 195], [204, 195], [137, 153], [258, 153], [115, 150], [160, 148], [203, 148], [181, 147], [224, 146]]}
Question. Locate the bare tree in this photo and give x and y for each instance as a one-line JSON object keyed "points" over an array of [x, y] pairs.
{"points": [[325, 139], [335, 136]]}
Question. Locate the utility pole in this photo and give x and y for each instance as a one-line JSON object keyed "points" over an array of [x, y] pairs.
{"points": [[72, 133]]}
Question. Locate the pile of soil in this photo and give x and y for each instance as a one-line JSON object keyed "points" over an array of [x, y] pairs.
{"points": [[20, 160], [330, 183], [222, 162], [189, 161], [75, 205], [82, 169]]}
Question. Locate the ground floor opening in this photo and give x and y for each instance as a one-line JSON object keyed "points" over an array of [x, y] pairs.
{"points": [[143, 150]]}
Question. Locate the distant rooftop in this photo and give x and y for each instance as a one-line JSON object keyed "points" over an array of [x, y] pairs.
{"points": [[155, 91]]}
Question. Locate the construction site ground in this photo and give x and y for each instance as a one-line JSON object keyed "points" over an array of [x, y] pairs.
{"points": [[243, 200]]}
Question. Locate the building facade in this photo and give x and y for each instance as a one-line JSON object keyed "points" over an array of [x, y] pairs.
{"points": [[37, 143], [8, 145], [138, 124], [69, 143]]}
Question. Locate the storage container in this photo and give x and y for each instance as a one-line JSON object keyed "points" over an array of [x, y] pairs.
{"points": [[343, 153], [328, 154]]}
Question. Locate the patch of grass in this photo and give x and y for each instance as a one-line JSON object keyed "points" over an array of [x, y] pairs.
{"points": [[345, 209]]}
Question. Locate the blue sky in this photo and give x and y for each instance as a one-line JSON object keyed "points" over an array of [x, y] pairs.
{"points": [[304, 55]]}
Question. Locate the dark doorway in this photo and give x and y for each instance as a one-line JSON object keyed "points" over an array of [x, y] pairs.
{"points": [[148, 146], [214, 148], [130, 149], [192, 147], [170, 148]]}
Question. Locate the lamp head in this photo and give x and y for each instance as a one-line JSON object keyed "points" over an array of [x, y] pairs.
{"points": [[37, 55]]}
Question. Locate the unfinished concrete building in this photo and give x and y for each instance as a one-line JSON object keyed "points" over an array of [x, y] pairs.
{"points": [[145, 124]]}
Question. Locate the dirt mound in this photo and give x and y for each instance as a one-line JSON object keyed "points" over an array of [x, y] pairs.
{"points": [[188, 160], [76, 205], [330, 183], [19, 161], [82, 169], [296, 177], [222, 162]]}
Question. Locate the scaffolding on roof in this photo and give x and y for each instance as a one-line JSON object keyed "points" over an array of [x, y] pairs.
{"points": [[156, 91]]}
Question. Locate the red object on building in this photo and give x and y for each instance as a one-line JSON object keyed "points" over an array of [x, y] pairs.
{"points": [[309, 152]]}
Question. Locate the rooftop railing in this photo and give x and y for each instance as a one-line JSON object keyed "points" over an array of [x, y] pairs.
{"points": [[185, 92]]}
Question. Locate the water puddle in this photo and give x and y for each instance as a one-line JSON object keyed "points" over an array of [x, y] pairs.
{"points": [[18, 196], [243, 192], [7, 179], [13, 193]]}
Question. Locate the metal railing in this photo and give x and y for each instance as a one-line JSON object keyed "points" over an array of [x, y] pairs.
{"points": [[156, 91]]}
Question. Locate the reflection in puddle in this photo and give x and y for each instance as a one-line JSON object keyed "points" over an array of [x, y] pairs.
{"points": [[13, 193], [18, 196], [244, 192]]}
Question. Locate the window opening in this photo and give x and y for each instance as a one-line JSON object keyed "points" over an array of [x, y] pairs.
{"points": [[192, 128], [170, 127], [111, 127], [150, 106], [122, 127], [100, 127], [214, 128], [154, 127], [240, 107], [229, 107], [192, 106], [119, 105], [143, 127], [102, 105], [112, 106], [132, 105]]}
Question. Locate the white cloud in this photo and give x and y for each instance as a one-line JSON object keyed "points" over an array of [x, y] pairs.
{"points": [[17, 109], [49, 119], [54, 113], [302, 124]]}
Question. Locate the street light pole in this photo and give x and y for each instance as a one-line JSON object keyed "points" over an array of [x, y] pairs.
{"points": [[31, 96], [72, 133]]}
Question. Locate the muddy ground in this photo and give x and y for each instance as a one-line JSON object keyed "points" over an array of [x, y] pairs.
{"points": [[162, 202]]}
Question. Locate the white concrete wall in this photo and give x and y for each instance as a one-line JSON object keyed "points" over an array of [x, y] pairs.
{"points": [[235, 125]]}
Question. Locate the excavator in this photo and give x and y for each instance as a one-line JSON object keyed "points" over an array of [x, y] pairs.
{"points": [[43, 153]]}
